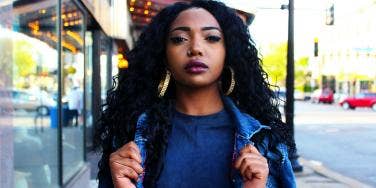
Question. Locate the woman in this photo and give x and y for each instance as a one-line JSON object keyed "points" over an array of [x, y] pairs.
{"points": [[194, 109]]}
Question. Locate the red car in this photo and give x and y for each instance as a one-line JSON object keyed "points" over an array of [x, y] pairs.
{"points": [[324, 96], [360, 100]]}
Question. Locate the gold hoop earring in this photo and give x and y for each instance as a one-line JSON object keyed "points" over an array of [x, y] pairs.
{"points": [[163, 84], [232, 85]]}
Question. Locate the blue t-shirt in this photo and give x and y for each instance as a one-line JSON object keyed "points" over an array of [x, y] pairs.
{"points": [[199, 152]]}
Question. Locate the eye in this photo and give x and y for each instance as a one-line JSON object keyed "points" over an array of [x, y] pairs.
{"points": [[177, 40], [213, 38]]}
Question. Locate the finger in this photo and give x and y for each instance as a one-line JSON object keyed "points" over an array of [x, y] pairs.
{"points": [[117, 164], [136, 166], [249, 148], [133, 145], [119, 171], [124, 183], [130, 144], [250, 168], [256, 172], [130, 152], [129, 162], [240, 159]]}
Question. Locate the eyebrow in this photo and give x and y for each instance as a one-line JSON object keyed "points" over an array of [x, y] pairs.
{"points": [[189, 29]]}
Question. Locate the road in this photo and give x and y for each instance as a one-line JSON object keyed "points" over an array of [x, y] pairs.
{"points": [[344, 141]]}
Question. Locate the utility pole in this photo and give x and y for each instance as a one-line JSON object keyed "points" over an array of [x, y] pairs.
{"points": [[289, 108]]}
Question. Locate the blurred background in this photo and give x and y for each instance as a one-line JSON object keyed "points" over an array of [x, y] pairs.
{"points": [[57, 59]]}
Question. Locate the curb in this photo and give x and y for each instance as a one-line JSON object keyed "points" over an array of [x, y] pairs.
{"points": [[319, 168]]}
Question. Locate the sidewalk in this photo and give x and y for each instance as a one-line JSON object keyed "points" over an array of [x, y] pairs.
{"points": [[314, 175]]}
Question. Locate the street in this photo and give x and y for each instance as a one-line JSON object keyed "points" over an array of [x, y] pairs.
{"points": [[343, 141]]}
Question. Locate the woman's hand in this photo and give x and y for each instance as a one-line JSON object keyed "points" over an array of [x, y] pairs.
{"points": [[253, 167], [125, 165]]}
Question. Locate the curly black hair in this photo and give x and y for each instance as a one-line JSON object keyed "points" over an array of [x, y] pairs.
{"points": [[135, 89]]}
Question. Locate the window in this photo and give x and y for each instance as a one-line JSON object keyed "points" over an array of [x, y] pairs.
{"points": [[28, 87], [72, 89]]}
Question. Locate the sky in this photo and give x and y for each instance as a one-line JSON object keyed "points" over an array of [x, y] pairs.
{"points": [[353, 32], [271, 23]]}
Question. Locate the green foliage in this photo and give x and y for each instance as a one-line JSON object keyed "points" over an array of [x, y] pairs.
{"points": [[301, 74], [5, 61], [309, 88], [23, 58], [274, 63]]}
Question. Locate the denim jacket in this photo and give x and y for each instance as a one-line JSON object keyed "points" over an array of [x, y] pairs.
{"points": [[280, 170]]}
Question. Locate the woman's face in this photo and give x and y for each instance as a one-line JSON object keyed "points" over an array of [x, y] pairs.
{"points": [[195, 49]]}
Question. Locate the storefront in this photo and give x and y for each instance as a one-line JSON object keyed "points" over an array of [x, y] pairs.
{"points": [[57, 58]]}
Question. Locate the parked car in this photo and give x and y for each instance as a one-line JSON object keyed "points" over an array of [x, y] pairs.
{"points": [[281, 95], [299, 95], [360, 100], [24, 100], [322, 96], [338, 97]]}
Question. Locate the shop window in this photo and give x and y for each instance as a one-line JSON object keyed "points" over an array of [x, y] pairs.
{"points": [[72, 57], [28, 93]]}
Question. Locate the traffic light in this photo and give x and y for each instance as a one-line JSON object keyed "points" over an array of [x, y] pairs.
{"points": [[330, 15], [316, 47]]}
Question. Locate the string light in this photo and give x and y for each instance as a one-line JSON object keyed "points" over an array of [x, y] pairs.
{"points": [[34, 25], [76, 36], [69, 46], [122, 62]]}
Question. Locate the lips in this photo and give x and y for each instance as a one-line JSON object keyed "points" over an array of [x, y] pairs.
{"points": [[196, 67]]}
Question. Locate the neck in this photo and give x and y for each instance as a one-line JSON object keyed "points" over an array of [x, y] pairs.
{"points": [[201, 101]]}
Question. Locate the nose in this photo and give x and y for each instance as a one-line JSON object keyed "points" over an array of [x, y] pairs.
{"points": [[195, 49]]}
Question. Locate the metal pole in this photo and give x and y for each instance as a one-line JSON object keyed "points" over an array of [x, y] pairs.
{"points": [[60, 114], [289, 111], [290, 69]]}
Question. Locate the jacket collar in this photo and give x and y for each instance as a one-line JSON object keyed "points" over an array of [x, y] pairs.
{"points": [[246, 125]]}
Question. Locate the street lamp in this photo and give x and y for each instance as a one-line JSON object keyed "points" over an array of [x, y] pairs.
{"points": [[289, 106]]}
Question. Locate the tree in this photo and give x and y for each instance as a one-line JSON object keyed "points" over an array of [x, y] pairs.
{"points": [[274, 63], [23, 58], [301, 73], [5, 62]]}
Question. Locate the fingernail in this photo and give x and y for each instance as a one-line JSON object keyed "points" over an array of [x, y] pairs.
{"points": [[251, 143]]}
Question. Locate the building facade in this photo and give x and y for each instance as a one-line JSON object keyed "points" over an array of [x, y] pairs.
{"points": [[347, 49], [57, 60]]}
